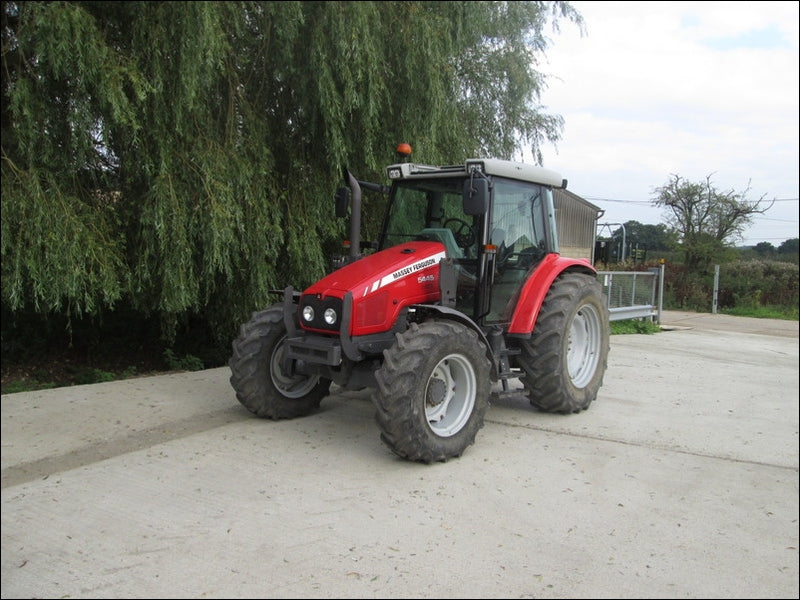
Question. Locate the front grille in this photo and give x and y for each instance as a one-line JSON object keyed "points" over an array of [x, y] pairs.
{"points": [[320, 305]]}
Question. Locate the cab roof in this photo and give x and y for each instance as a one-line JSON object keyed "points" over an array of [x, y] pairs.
{"points": [[487, 166]]}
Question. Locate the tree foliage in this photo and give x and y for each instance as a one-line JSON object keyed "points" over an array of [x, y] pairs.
{"points": [[179, 157], [790, 247], [707, 220], [651, 237], [764, 249]]}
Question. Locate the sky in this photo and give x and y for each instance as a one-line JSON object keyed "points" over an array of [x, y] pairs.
{"points": [[695, 89]]}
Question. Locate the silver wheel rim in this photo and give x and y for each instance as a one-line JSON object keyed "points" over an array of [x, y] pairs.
{"points": [[583, 353], [450, 395], [296, 386]]}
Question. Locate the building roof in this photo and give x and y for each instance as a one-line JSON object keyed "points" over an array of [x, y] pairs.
{"points": [[560, 194]]}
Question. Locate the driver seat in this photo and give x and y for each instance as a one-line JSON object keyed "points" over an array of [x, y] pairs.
{"points": [[444, 236]]}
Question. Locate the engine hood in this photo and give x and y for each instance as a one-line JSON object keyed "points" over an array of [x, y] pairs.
{"points": [[384, 283], [383, 268]]}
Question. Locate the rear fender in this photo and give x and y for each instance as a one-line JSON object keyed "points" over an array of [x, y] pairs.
{"points": [[535, 289]]}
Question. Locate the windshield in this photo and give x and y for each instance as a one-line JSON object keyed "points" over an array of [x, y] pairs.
{"points": [[432, 210]]}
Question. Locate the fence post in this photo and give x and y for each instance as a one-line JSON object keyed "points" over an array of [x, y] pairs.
{"points": [[661, 291], [716, 289]]}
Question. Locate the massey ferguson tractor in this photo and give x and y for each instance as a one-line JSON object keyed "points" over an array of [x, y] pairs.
{"points": [[463, 297]]}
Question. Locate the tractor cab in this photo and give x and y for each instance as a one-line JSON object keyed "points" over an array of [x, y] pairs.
{"points": [[495, 229]]}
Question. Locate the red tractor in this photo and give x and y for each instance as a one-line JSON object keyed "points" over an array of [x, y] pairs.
{"points": [[464, 292]]}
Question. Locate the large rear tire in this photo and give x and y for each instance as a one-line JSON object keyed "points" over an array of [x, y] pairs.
{"points": [[432, 391], [566, 357], [257, 377]]}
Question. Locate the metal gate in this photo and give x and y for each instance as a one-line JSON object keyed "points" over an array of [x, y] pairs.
{"points": [[633, 294]]}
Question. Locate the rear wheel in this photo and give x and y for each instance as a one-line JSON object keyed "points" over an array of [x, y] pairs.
{"points": [[258, 378], [566, 357], [432, 391]]}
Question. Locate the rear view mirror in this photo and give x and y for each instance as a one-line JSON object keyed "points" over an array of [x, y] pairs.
{"points": [[476, 196]]}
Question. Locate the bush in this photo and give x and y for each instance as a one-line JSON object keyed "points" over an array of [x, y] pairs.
{"points": [[187, 363], [746, 287], [757, 283]]}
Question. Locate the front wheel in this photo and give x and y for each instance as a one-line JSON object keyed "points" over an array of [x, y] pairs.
{"points": [[432, 391], [566, 357], [257, 374]]}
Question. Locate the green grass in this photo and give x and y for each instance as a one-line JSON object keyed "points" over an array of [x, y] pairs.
{"points": [[27, 385], [629, 326], [764, 312], [41, 380]]}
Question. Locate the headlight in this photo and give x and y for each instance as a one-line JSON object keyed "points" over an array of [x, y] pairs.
{"points": [[320, 313], [308, 314]]}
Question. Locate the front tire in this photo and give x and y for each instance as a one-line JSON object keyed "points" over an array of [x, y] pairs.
{"points": [[566, 357], [432, 391], [257, 377]]}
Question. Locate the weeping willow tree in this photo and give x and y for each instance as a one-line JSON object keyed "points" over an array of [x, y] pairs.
{"points": [[179, 158]]}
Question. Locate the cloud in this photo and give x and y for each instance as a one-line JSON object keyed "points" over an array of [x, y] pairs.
{"points": [[690, 88]]}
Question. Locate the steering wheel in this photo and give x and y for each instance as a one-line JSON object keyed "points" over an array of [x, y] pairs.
{"points": [[504, 253], [463, 233]]}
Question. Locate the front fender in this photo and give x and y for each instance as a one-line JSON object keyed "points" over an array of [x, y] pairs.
{"points": [[535, 290], [427, 311]]}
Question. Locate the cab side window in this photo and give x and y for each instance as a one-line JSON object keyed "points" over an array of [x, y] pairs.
{"points": [[514, 226]]}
